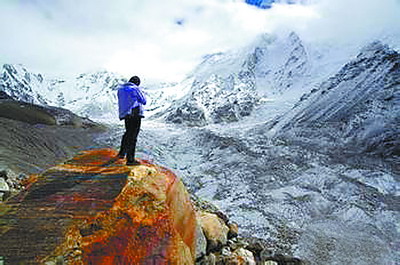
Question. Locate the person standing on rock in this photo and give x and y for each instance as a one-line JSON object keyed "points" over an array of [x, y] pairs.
{"points": [[130, 103]]}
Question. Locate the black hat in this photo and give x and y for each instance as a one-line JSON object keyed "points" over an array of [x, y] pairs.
{"points": [[135, 79]]}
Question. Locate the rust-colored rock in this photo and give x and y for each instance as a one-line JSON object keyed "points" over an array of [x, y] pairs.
{"points": [[95, 210]]}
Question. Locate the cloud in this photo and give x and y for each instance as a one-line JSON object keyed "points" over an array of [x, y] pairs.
{"points": [[71, 36], [143, 37], [354, 20]]}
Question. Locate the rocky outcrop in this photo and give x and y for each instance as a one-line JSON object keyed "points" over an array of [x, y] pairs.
{"points": [[215, 230], [94, 210], [10, 183]]}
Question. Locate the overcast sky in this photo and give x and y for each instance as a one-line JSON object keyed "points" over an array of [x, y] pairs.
{"points": [[163, 40]]}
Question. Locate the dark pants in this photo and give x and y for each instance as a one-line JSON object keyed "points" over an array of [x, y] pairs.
{"points": [[128, 143]]}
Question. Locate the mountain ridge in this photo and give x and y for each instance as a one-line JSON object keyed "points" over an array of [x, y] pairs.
{"points": [[359, 106]]}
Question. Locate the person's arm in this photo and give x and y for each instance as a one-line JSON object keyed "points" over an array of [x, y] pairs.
{"points": [[140, 96]]}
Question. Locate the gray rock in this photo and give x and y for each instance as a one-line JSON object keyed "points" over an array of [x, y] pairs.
{"points": [[226, 251], [212, 259], [12, 179], [4, 95], [215, 230], [284, 259], [3, 185], [4, 189], [207, 260], [266, 253], [201, 242]]}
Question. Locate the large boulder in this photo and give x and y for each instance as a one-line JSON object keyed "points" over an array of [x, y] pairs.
{"points": [[95, 210]]}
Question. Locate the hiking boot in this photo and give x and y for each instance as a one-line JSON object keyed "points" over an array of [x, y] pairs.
{"points": [[121, 156], [133, 163]]}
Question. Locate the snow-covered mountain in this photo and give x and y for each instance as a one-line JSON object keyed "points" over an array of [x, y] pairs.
{"points": [[17, 82], [357, 109], [222, 90], [226, 87], [90, 94]]}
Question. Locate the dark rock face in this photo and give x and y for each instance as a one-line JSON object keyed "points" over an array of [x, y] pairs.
{"points": [[188, 113], [357, 109], [4, 95], [29, 113]]}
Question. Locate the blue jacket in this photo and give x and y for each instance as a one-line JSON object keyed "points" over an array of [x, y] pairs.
{"points": [[130, 96]]}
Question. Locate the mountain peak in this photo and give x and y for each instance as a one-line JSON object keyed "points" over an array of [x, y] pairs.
{"points": [[374, 47], [20, 84]]}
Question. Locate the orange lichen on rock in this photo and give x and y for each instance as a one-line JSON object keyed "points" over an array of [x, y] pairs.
{"points": [[108, 213], [99, 161]]}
